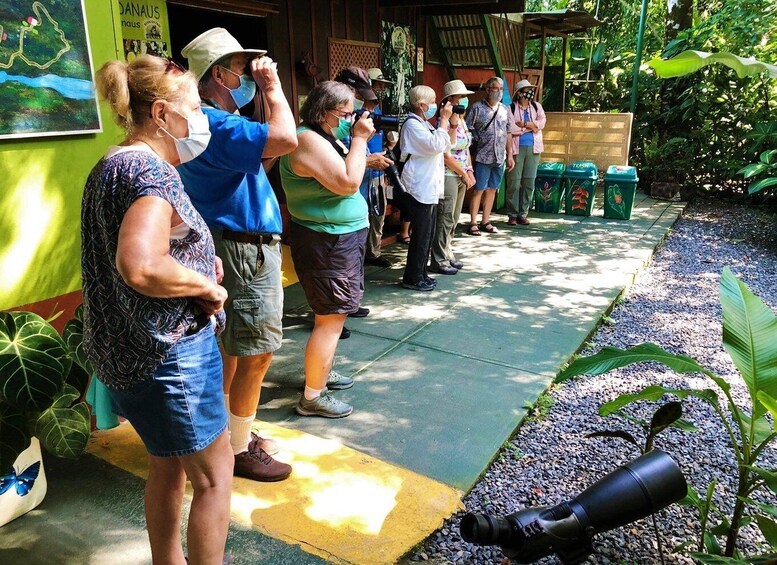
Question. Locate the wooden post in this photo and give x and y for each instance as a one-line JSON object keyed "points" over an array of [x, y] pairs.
{"points": [[564, 74]]}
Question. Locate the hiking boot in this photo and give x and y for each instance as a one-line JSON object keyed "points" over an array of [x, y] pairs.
{"points": [[257, 465], [336, 381], [325, 406]]}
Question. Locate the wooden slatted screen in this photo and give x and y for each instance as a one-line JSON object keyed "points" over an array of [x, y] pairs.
{"points": [[603, 138], [345, 52]]}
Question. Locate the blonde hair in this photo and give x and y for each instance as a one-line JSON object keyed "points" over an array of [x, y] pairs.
{"points": [[421, 93], [131, 88]]}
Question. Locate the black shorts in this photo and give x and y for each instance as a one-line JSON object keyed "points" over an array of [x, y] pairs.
{"points": [[330, 268]]}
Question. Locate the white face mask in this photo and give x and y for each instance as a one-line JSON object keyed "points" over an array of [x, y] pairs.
{"points": [[192, 146]]}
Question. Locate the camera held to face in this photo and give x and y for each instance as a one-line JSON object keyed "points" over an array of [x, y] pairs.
{"points": [[380, 121]]}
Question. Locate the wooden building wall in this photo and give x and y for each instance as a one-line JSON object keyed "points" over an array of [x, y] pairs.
{"points": [[303, 26]]}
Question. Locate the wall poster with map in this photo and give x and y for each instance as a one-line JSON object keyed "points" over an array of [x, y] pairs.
{"points": [[46, 75]]}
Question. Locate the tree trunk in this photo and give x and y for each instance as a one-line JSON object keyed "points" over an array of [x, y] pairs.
{"points": [[679, 17]]}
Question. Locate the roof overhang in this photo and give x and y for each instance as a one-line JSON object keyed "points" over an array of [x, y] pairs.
{"points": [[457, 7], [558, 22]]}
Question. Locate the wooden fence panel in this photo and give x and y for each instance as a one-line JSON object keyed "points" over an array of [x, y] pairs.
{"points": [[603, 138]]}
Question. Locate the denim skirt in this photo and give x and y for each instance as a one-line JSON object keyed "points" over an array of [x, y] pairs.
{"points": [[179, 409]]}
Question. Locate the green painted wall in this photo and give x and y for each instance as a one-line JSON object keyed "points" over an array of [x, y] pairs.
{"points": [[41, 182]]}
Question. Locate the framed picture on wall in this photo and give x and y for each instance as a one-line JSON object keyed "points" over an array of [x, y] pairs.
{"points": [[46, 73]]}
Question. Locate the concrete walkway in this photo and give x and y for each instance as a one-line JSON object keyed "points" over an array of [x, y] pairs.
{"points": [[442, 381]]}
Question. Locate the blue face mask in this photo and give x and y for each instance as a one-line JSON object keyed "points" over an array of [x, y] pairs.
{"points": [[342, 130], [244, 93], [357, 104], [464, 102], [431, 111]]}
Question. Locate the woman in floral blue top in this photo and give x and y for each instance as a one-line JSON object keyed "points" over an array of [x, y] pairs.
{"points": [[153, 303]]}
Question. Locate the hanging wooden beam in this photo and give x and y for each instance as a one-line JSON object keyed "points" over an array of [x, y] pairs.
{"points": [[441, 48], [493, 52]]}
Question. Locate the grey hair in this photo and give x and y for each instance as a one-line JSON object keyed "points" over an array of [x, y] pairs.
{"points": [[207, 78], [326, 96], [494, 80], [420, 93]]}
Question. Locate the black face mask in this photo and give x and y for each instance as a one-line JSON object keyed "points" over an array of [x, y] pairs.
{"points": [[528, 94]]}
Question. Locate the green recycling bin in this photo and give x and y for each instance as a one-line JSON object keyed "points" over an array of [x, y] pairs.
{"points": [[580, 187], [620, 188], [548, 188]]}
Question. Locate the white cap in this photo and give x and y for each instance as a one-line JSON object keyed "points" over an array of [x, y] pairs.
{"points": [[209, 47]]}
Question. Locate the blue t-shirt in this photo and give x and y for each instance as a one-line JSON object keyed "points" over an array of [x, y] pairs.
{"points": [[374, 145], [227, 183], [527, 139]]}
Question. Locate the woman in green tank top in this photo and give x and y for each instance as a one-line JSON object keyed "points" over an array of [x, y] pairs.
{"points": [[328, 231]]}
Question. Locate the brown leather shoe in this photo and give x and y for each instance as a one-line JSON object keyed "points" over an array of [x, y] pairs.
{"points": [[523, 221], [257, 465], [267, 445]]}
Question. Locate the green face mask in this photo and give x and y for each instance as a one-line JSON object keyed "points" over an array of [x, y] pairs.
{"points": [[342, 130], [464, 102]]}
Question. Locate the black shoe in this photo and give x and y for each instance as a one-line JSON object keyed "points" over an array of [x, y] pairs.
{"points": [[430, 280], [345, 334], [360, 313], [458, 265], [377, 261], [444, 270], [423, 286]]}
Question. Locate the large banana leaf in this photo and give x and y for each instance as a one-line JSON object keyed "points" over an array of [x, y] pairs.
{"points": [[33, 361], [64, 429], [14, 435], [689, 62], [653, 393], [750, 338], [610, 358]]}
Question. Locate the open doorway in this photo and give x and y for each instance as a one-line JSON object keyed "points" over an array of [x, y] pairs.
{"points": [[187, 22]]}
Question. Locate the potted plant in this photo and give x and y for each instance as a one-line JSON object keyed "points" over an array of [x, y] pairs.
{"points": [[43, 378]]}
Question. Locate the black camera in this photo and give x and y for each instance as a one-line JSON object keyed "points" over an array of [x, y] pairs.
{"points": [[380, 121], [638, 489], [459, 109]]}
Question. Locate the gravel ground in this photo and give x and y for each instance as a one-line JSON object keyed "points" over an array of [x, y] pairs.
{"points": [[674, 303]]}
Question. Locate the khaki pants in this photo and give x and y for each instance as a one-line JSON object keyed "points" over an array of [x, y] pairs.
{"points": [[448, 212], [520, 183]]}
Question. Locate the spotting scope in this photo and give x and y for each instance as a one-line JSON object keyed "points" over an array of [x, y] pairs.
{"points": [[638, 489]]}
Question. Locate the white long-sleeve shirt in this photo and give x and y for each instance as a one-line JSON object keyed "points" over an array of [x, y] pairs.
{"points": [[424, 171]]}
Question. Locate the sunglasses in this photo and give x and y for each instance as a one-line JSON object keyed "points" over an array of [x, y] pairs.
{"points": [[173, 66]]}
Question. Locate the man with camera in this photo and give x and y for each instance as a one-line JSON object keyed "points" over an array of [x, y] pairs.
{"points": [[228, 185]]}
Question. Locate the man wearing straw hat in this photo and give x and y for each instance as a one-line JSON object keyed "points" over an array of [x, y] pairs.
{"points": [[228, 186]]}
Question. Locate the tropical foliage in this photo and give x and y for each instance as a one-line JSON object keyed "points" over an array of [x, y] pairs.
{"points": [[750, 338], [43, 377], [717, 121]]}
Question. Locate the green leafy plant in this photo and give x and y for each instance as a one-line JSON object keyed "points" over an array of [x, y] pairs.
{"points": [[767, 164], [750, 338], [43, 377]]}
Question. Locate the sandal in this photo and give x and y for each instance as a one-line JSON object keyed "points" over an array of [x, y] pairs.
{"points": [[488, 227], [473, 229], [403, 239]]}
